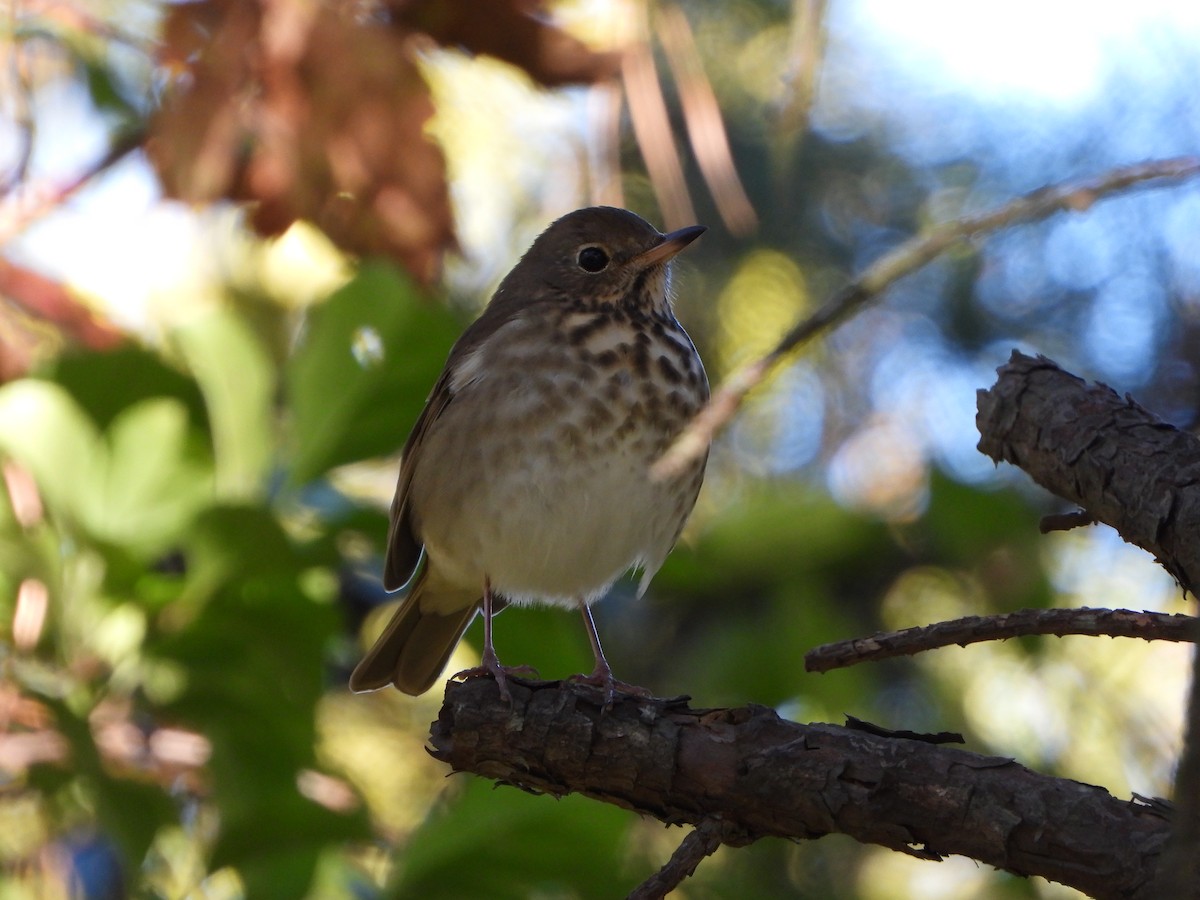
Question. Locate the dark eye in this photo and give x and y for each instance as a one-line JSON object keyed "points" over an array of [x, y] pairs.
{"points": [[593, 259]]}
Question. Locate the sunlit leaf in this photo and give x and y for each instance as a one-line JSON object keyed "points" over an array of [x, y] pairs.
{"points": [[235, 374], [137, 486], [43, 428], [151, 483]]}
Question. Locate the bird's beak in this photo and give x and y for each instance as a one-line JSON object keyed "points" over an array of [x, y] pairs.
{"points": [[670, 245]]}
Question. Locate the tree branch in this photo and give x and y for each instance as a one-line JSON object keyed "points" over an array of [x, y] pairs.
{"points": [[1114, 458], [906, 258], [1131, 470], [703, 841], [1150, 626], [760, 775]]}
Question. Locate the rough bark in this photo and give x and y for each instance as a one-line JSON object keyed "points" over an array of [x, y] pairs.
{"points": [[759, 775], [1117, 460], [1140, 475]]}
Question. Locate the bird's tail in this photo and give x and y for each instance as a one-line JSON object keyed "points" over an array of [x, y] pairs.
{"points": [[417, 642]]}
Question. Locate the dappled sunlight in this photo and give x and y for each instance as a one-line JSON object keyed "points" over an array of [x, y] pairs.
{"points": [[1099, 710], [300, 267], [765, 294], [881, 469], [377, 741], [885, 874], [506, 187]]}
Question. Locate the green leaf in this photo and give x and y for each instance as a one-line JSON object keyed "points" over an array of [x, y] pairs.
{"points": [[358, 381], [106, 383], [237, 378], [136, 487], [43, 429], [277, 845], [153, 482]]}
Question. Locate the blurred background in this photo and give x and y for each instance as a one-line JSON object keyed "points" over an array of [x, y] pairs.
{"points": [[236, 243]]}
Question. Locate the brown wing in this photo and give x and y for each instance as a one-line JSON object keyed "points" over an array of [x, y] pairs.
{"points": [[403, 545]]}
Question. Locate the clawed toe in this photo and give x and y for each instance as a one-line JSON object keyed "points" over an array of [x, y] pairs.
{"points": [[500, 673], [604, 679]]}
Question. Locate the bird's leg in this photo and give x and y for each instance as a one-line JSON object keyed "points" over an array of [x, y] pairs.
{"points": [[602, 675], [489, 664]]}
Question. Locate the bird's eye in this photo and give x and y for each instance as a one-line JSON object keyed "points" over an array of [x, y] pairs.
{"points": [[593, 259]]}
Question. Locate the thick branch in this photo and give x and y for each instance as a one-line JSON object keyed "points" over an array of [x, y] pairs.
{"points": [[1118, 461], [762, 776], [1150, 626]]}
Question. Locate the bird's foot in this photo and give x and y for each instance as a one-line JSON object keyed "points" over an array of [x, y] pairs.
{"points": [[490, 665], [602, 677]]}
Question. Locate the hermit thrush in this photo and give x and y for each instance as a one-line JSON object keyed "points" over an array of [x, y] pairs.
{"points": [[526, 478]]}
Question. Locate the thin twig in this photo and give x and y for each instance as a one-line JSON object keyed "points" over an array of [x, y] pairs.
{"points": [[705, 126], [20, 216], [701, 842], [798, 87], [909, 256], [1150, 626], [22, 112], [652, 130]]}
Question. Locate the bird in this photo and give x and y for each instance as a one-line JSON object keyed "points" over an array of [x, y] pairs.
{"points": [[526, 478]]}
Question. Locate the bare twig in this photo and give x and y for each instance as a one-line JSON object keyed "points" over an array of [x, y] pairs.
{"points": [[652, 129], [52, 301], [798, 87], [701, 842], [909, 256], [706, 128], [21, 214], [1150, 626]]}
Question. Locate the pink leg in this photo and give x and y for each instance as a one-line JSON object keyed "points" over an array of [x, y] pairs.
{"points": [[602, 675], [490, 664]]}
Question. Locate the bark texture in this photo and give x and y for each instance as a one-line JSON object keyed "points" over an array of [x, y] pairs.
{"points": [[1130, 470], [759, 775], [1117, 460]]}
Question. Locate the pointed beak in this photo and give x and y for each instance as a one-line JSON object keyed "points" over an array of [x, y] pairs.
{"points": [[668, 247]]}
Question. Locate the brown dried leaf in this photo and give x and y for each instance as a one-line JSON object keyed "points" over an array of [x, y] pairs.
{"points": [[305, 113], [515, 31]]}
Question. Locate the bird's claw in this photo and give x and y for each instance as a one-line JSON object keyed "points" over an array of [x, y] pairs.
{"points": [[490, 665], [603, 678]]}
